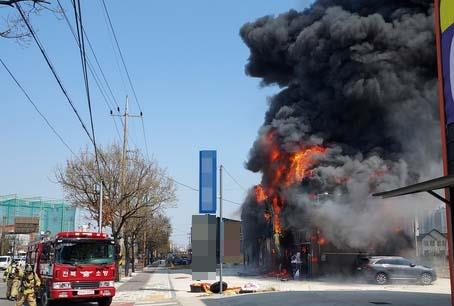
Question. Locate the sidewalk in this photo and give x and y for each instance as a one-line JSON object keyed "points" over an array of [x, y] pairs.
{"points": [[170, 287], [150, 287]]}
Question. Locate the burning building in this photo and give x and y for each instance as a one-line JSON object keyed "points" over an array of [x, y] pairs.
{"points": [[357, 114]]}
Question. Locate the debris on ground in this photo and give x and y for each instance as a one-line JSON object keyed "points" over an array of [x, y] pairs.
{"points": [[249, 288], [201, 287], [216, 287]]}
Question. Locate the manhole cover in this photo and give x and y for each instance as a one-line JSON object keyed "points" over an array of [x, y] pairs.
{"points": [[380, 303]]}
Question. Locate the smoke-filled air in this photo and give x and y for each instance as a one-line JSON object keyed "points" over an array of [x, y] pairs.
{"points": [[356, 114]]}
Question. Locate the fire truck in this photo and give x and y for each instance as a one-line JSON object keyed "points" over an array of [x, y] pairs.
{"points": [[75, 266]]}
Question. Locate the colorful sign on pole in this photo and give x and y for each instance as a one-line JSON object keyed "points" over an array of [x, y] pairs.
{"points": [[447, 53], [207, 188]]}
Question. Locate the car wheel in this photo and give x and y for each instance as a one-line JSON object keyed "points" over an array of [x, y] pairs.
{"points": [[426, 279], [381, 278]]}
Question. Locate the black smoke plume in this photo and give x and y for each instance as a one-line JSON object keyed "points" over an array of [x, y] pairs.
{"points": [[359, 78]]}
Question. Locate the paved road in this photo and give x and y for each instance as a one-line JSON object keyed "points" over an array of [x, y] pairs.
{"points": [[140, 289], [334, 298], [138, 283], [3, 300]]}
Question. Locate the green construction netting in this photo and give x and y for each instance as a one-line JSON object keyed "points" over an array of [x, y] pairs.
{"points": [[54, 215]]}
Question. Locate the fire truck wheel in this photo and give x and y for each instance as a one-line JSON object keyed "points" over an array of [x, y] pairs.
{"points": [[381, 278], [105, 302], [45, 300]]}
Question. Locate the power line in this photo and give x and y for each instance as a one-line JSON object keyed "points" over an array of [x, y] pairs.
{"points": [[121, 54], [145, 138], [197, 190], [226, 200], [127, 74], [184, 185], [37, 109], [117, 61], [92, 70], [54, 72], [57, 78], [112, 96], [100, 69], [83, 58], [236, 182]]}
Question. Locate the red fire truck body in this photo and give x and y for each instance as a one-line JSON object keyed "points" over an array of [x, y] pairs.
{"points": [[76, 266]]}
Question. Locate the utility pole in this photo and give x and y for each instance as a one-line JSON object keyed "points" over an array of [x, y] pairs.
{"points": [[124, 159], [125, 143], [221, 231]]}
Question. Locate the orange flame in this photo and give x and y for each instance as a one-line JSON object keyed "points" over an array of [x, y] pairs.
{"points": [[284, 170], [260, 194], [299, 164]]}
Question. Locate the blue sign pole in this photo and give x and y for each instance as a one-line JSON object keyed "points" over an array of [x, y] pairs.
{"points": [[207, 182]]}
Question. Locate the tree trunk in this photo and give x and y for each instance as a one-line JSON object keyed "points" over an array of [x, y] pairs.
{"points": [[133, 253], [127, 259], [117, 258]]}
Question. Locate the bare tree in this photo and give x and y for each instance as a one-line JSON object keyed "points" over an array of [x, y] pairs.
{"points": [[134, 227], [158, 233], [148, 230], [141, 186], [11, 23]]}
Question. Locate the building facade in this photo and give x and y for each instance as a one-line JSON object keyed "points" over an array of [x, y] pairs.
{"points": [[433, 243], [54, 215]]}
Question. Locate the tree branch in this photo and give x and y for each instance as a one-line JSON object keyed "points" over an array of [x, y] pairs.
{"points": [[12, 2]]}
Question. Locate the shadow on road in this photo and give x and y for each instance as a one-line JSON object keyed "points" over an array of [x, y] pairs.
{"points": [[333, 298]]}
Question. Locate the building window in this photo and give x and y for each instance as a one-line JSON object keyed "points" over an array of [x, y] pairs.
{"points": [[432, 243], [426, 243]]}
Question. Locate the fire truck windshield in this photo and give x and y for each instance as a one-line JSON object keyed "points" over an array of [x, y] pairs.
{"points": [[84, 252]]}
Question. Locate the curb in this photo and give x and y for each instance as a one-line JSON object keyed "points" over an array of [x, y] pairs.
{"points": [[124, 280]]}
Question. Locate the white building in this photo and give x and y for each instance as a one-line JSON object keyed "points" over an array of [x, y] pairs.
{"points": [[433, 243]]}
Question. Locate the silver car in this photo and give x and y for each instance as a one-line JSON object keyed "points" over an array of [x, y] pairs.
{"points": [[383, 269]]}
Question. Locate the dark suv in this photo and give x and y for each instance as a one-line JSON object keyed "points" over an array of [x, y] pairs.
{"points": [[383, 269]]}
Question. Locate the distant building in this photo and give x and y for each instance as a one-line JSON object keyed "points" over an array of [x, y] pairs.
{"points": [[54, 215], [433, 243], [232, 241], [435, 219]]}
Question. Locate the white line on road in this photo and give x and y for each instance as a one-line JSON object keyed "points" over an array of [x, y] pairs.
{"points": [[156, 303]]}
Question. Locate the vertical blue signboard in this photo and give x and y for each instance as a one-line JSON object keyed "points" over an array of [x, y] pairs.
{"points": [[207, 182], [447, 55]]}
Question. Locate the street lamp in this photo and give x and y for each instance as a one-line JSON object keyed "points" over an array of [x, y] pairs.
{"points": [[100, 207], [97, 187]]}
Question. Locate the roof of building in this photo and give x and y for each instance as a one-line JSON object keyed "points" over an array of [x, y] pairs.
{"points": [[422, 236]]}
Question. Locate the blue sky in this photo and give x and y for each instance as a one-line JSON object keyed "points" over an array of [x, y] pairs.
{"points": [[186, 60]]}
